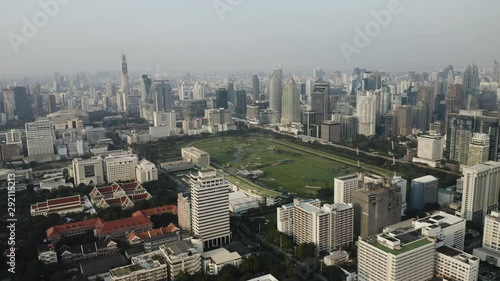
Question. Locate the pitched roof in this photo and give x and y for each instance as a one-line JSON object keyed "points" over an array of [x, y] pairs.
{"points": [[170, 209], [122, 224], [58, 230]]}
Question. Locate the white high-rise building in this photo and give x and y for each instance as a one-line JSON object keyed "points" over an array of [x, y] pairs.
{"points": [[285, 214], [199, 91], [290, 110], [219, 120], [430, 147], [479, 149], [124, 75], [276, 89], [165, 119], [210, 207], [145, 171], [40, 138], [184, 210], [366, 110], [453, 264], [403, 184], [330, 227], [481, 186], [490, 251], [343, 187], [120, 167], [88, 171], [396, 258]]}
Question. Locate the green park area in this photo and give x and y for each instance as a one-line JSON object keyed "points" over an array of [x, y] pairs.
{"points": [[286, 169]]}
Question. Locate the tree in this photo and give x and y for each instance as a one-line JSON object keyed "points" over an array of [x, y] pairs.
{"points": [[306, 250]]}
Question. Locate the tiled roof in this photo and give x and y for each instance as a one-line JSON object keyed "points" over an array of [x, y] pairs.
{"points": [[59, 230], [170, 209], [122, 224]]}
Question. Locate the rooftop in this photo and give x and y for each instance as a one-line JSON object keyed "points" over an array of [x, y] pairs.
{"points": [[425, 179], [405, 248], [221, 256]]}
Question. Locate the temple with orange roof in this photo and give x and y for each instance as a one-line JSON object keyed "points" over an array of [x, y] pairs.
{"points": [[123, 195], [166, 209], [60, 206]]}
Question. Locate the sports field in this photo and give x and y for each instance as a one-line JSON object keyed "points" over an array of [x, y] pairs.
{"points": [[286, 169]]}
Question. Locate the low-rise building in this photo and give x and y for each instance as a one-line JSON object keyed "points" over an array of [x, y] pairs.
{"points": [[87, 251], [151, 267], [336, 257], [56, 232], [453, 264], [152, 239], [181, 256], [145, 171], [47, 253], [196, 156], [98, 268], [267, 277], [215, 260], [60, 206], [123, 195], [148, 213], [121, 228]]}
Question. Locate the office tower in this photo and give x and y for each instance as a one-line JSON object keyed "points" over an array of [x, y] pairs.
{"points": [[255, 88], [121, 102], [88, 171], [222, 98], [240, 102], [165, 119], [366, 111], [429, 149], [348, 127], [376, 205], [343, 187], [39, 109], [309, 90], [437, 127], [490, 250], [199, 91], [210, 207], [145, 171], [219, 120], [479, 149], [22, 107], [193, 108], [185, 91], [453, 264], [393, 257], [285, 214], [184, 211], [423, 191], [230, 91], [52, 104], [318, 73], [40, 138], [427, 94], [120, 167], [421, 116], [290, 109], [330, 131], [404, 120], [276, 89], [146, 89], [124, 75], [481, 186], [329, 227], [471, 77], [403, 186], [321, 107], [163, 99], [496, 72]]}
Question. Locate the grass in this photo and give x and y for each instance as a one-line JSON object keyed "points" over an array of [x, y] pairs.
{"points": [[405, 248], [286, 168]]}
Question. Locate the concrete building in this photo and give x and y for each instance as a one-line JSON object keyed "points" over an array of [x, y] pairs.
{"points": [[376, 205], [195, 156], [479, 149], [214, 260], [40, 138], [210, 207], [490, 251], [404, 120], [366, 111], [481, 186], [267, 277], [47, 253], [184, 211], [424, 191], [120, 167], [285, 214], [145, 171], [219, 120], [403, 185], [151, 267], [343, 187], [276, 89], [430, 149], [181, 256], [329, 227], [330, 131], [453, 264], [290, 109], [88, 171], [389, 257]]}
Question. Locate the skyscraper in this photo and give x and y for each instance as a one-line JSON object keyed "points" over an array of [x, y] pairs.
{"points": [[424, 190], [146, 89], [23, 108], [124, 75], [222, 98], [404, 120], [210, 207], [343, 187], [366, 110], [479, 149], [40, 138], [163, 98], [490, 251], [199, 91], [290, 110], [471, 77], [481, 186], [255, 88], [276, 89], [496, 72], [240, 102], [230, 91]]}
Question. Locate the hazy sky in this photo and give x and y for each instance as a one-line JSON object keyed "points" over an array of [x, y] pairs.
{"points": [[189, 35]]}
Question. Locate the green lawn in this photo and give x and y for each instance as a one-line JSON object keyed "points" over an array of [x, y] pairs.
{"points": [[286, 169]]}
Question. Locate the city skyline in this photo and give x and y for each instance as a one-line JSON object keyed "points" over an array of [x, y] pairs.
{"points": [[208, 39]]}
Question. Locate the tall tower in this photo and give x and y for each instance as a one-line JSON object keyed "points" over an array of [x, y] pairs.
{"points": [[163, 96], [479, 149], [40, 137], [290, 110], [496, 72], [145, 88], [471, 77], [124, 75], [276, 89], [255, 88], [366, 110]]}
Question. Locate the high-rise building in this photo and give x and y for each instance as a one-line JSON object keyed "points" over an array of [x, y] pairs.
{"points": [[395, 257], [376, 205], [222, 98], [124, 75], [219, 120], [210, 207], [145, 171], [479, 149], [88, 171], [404, 120], [421, 116], [240, 102], [429, 149], [146, 89], [23, 108], [343, 187], [285, 214], [120, 167], [366, 111], [403, 185], [496, 71], [40, 138], [184, 211], [490, 251], [276, 89], [230, 91], [330, 131], [199, 91], [255, 88], [455, 101], [453, 264], [290, 109], [163, 99], [481, 186], [329, 227], [165, 119], [348, 127], [424, 191], [471, 77]]}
